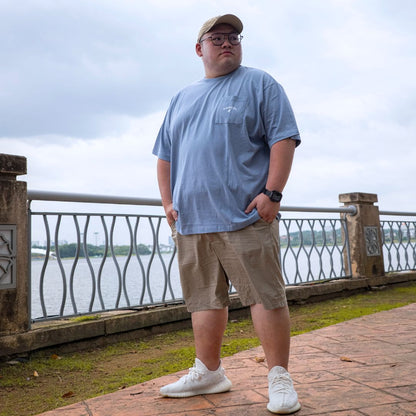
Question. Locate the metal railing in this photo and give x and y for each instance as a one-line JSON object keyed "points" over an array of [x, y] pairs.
{"points": [[94, 262], [399, 241], [313, 250]]}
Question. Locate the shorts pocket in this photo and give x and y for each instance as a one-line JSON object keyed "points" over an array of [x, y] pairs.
{"points": [[261, 223]]}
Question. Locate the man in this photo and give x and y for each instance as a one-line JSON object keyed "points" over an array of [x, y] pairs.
{"points": [[225, 151]]}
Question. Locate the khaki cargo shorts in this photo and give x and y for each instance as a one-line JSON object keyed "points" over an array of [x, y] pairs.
{"points": [[248, 258]]}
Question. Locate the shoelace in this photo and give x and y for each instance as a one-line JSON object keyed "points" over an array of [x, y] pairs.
{"points": [[281, 383], [192, 375]]}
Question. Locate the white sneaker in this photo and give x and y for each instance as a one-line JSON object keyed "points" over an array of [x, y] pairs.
{"points": [[199, 380], [283, 398]]}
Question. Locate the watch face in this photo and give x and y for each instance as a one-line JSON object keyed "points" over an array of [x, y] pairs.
{"points": [[274, 196]]}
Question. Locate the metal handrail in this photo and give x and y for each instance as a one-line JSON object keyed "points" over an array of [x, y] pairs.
{"points": [[36, 195], [398, 213], [351, 209]]}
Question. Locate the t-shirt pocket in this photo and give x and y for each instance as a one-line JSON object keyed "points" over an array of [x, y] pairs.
{"points": [[230, 110]]}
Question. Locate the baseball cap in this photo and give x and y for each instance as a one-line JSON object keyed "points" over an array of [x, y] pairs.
{"points": [[229, 19]]}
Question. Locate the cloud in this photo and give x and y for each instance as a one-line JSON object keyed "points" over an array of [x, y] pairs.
{"points": [[114, 165], [71, 66]]}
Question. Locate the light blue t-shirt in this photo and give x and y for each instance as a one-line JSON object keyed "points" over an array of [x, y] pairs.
{"points": [[217, 135]]}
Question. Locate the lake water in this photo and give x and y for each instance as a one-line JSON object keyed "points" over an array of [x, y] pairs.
{"points": [[143, 284]]}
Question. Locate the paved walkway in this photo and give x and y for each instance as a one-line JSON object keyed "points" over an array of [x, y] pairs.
{"points": [[366, 366]]}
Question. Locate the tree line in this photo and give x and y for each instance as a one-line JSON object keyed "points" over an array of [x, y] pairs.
{"points": [[70, 250]]}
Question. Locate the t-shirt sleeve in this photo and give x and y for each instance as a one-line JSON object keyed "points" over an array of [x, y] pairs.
{"points": [[161, 149], [278, 117], [162, 146]]}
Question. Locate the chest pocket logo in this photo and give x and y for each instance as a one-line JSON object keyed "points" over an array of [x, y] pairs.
{"points": [[230, 110]]}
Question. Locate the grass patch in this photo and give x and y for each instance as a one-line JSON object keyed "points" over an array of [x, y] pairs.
{"points": [[85, 318], [50, 381]]}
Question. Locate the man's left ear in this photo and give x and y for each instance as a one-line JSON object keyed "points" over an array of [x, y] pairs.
{"points": [[198, 49]]}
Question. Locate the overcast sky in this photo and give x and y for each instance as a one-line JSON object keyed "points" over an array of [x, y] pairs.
{"points": [[84, 85]]}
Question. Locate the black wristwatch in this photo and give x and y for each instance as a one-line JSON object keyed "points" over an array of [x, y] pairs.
{"points": [[275, 196]]}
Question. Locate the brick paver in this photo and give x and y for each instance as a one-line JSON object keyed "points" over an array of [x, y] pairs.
{"points": [[366, 366]]}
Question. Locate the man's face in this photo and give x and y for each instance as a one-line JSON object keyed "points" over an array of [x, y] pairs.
{"points": [[219, 60]]}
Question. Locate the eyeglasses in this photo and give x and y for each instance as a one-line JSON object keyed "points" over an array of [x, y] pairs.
{"points": [[218, 39]]}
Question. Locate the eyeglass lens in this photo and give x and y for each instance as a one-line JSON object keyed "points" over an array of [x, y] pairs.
{"points": [[219, 38]]}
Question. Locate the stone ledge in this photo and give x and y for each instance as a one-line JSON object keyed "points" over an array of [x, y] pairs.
{"points": [[313, 292], [11, 165], [119, 326]]}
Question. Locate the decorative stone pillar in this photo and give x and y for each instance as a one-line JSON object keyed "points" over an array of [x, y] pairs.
{"points": [[364, 231], [14, 279]]}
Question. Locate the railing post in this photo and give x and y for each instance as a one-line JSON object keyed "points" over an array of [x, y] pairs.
{"points": [[366, 249], [14, 280]]}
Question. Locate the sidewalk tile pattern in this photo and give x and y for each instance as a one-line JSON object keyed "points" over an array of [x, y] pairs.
{"points": [[366, 366]]}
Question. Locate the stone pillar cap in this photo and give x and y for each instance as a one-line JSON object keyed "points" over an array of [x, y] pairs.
{"points": [[358, 198], [12, 165]]}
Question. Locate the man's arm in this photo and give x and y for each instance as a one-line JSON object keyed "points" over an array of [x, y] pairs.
{"points": [[163, 178], [281, 158]]}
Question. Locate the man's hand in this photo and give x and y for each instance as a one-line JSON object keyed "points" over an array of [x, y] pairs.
{"points": [[171, 214], [163, 178], [266, 208]]}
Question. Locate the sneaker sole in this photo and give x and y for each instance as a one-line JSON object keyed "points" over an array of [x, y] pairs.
{"points": [[293, 409], [223, 387]]}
